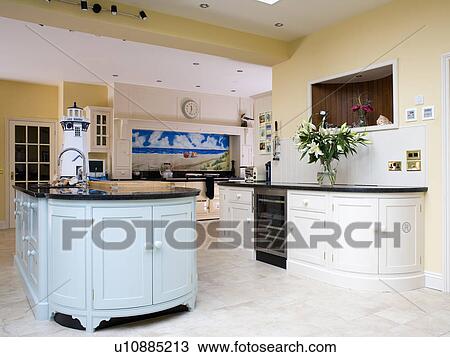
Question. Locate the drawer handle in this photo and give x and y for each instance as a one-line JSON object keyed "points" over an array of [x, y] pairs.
{"points": [[305, 203], [238, 196], [158, 245]]}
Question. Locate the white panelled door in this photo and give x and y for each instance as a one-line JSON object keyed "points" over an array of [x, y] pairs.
{"points": [[122, 278], [349, 258], [172, 266], [408, 257]]}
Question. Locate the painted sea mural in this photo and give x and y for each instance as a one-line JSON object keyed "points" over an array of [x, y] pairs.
{"points": [[186, 151]]}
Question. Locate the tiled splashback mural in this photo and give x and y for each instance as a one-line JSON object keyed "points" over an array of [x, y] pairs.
{"points": [[185, 151]]}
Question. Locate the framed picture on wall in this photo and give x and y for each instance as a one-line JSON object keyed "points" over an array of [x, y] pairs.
{"points": [[265, 132]]}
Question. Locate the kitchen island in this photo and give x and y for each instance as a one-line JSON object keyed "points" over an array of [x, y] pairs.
{"points": [[98, 254], [364, 253]]}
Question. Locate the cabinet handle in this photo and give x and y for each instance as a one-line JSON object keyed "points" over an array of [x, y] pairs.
{"points": [[238, 196], [305, 203], [158, 245]]}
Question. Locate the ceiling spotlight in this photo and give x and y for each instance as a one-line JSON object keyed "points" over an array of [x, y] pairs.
{"points": [[84, 5], [204, 6], [114, 9], [278, 24], [196, 64], [142, 15], [97, 8]]}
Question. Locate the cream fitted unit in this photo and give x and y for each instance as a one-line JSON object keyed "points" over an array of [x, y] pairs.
{"points": [[382, 268]]}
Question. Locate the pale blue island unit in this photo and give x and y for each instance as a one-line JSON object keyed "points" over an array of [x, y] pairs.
{"points": [[92, 279]]}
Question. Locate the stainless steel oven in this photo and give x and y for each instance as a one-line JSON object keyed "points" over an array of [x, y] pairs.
{"points": [[270, 226]]}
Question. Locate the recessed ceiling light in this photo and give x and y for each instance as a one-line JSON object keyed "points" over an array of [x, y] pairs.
{"points": [[197, 86], [278, 24], [270, 2], [240, 71], [204, 6], [233, 91], [142, 15], [115, 75], [158, 81], [196, 64]]}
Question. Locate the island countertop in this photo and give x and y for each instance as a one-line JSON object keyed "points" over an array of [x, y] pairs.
{"points": [[71, 193], [327, 188]]}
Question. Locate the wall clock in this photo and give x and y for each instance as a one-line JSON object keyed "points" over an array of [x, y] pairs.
{"points": [[190, 108]]}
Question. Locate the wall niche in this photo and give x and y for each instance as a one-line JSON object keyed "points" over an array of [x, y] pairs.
{"points": [[338, 96]]}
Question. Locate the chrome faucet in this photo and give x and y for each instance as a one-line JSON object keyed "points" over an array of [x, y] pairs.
{"points": [[83, 157]]}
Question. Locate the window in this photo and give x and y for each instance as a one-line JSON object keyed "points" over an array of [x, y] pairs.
{"points": [[101, 133], [77, 131]]}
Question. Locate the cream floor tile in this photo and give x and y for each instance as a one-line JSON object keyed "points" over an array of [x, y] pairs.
{"points": [[241, 297]]}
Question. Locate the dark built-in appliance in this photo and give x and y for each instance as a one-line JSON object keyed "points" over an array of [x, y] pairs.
{"points": [[270, 226]]}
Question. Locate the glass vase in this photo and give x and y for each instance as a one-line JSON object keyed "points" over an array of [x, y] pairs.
{"points": [[327, 174]]}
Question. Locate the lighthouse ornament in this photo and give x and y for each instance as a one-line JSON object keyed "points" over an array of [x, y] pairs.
{"points": [[75, 127]]}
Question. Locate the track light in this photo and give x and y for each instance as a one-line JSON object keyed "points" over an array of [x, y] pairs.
{"points": [[114, 9], [84, 5], [143, 15]]}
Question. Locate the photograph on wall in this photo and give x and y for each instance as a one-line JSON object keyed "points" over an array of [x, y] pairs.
{"points": [[185, 151], [265, 132]]}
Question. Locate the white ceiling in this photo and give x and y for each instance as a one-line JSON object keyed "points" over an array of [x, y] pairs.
{"points": [[25, 56], [300, 17]]}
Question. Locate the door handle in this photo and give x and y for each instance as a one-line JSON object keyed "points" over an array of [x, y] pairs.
{"points": [[158, 245]]}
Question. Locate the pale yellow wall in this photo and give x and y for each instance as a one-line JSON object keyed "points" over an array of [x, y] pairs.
{"points": [[84, 95], [20, 100], [356, 43]]}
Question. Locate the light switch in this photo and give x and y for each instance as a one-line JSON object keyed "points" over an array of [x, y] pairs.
{"points": [[420, 100]]}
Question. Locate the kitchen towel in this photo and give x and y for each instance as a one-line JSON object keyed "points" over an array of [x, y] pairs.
{"points": [[210, 187]]}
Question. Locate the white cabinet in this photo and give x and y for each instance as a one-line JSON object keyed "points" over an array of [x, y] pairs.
{"points": [[378, 264], [67, 257], [237, 208], [113, 267], [174, 253], [300, 232], [349, 210], [121, 151], [100, 128], [407, 214]]}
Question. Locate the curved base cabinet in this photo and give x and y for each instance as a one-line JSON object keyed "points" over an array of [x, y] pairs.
{"points": [[95, 260]]}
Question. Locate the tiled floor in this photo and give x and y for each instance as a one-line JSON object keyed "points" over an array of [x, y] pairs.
{"points": [[240, 297]]}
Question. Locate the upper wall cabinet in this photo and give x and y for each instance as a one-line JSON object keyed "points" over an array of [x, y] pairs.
{"points": [[100, 129], [361, 98]]}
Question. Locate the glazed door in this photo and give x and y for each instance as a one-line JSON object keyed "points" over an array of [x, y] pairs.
{"points": [[31, 155], [172, 265]]}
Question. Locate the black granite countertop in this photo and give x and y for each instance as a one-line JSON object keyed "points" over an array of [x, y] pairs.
{"points": [[72, 193], [335, 188]]}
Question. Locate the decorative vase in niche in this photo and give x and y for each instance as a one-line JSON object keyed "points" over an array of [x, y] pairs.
{"points": [[327, 174]]}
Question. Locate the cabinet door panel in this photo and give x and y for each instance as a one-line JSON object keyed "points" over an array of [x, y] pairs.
{"points": [[67, 268], [172, 266], [349, 258], [303, 221], [122, 277], [241, 214], [406, 258]]}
